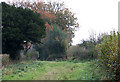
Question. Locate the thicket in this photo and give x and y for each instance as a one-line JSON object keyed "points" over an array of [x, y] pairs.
{"points": [[79, 53], [32, 54], [87, 49], [109, 54]]}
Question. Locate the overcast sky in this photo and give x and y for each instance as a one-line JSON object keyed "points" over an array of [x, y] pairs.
{"points": [[93, 15]]}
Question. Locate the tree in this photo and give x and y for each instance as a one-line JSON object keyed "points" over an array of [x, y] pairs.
{"points": [[54, 45], [56, 39], [20, 25], [54, 13]]}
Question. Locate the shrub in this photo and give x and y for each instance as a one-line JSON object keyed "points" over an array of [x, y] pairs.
{"points": [[76, 52], [71, 52], [89, 48], [32, 54], [109, 54]]}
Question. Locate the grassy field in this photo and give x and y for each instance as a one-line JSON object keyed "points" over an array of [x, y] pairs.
{"points": [[52, 70]]}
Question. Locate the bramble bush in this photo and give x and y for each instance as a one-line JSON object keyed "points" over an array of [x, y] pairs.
{"points": [[109, 54]]}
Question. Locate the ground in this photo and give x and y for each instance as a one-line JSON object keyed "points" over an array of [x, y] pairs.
{"points": [[52, 70]]}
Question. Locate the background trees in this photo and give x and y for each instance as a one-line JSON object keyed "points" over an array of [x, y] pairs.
{"points": [[56, 42], [60, 25], [87, 49], [54, 13], [54, 45], [20, 25], [59, 21]]}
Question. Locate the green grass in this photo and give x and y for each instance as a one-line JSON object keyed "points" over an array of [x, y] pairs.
{"points": [[52, 70]]}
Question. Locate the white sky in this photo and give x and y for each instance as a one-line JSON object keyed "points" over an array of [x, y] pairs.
{"points": [[93, 15]]}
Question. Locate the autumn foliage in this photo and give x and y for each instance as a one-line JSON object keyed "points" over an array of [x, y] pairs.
{"points": [[53, 13], [48, 27]]}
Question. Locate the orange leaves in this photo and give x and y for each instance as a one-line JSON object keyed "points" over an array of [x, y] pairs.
{"points": [[40, 8], [47, 16], [48, 27], [40, 3], [30, 6], [33, 10], [38, 11]]}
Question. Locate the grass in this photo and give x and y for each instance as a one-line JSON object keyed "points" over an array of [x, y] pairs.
{"points": [[52, 70]]}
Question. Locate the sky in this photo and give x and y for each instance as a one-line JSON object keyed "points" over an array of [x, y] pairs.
{"points": [[96, 16]]}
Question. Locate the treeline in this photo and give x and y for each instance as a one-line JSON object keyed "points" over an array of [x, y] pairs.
{"points": [[49, 27], [87, 49]]}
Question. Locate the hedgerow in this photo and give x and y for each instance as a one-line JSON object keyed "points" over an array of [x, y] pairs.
{"points": [[109, 54]]}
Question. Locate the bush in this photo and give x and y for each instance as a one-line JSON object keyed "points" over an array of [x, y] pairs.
{"points": [[76, 52], [89, 48], [109, 54], [32, 54]]}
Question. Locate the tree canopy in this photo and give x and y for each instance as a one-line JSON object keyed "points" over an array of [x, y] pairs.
{"points": [[54, 13], [20, 25], [59, 21], [54, 45]]}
